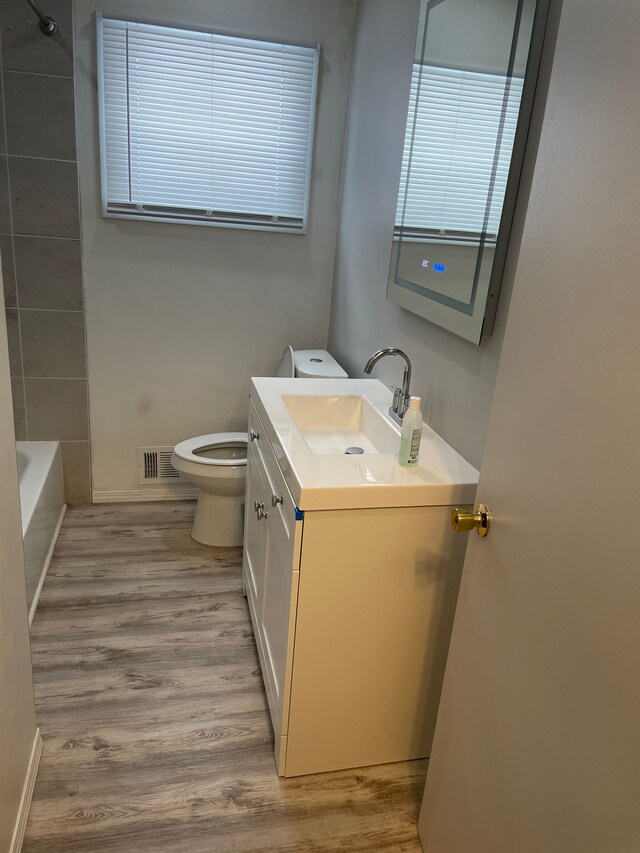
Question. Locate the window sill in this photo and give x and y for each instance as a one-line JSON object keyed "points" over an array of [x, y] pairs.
{"points": [[282, 228]]}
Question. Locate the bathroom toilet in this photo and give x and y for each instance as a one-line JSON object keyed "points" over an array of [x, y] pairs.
{"points": [[217, 463]]}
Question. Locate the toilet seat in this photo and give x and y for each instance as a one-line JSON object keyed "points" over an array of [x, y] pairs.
{"points": [[287, 363], [188, 450]]}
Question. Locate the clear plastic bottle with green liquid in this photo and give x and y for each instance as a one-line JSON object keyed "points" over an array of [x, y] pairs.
{"points": [[411, 434]]}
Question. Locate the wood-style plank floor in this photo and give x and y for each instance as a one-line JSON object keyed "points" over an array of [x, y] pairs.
{"points": [[155, 724]]}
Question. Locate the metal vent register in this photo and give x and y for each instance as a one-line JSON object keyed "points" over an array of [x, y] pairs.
{"points": [[154, 465]]}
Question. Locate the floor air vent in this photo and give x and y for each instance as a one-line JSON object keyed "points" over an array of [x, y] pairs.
{"points": [[154, 466]]}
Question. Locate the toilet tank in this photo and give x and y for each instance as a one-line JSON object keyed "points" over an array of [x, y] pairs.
{"points": [[317, 364], [310, 364]]}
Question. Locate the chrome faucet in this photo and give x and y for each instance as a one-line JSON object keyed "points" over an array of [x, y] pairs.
{"points": [[400, 395]]}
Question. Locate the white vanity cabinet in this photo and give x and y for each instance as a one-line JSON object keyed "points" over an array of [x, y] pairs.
{"points": [[352, 611]]}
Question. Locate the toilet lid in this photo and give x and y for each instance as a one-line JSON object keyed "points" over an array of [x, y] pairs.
{"points": [[227, 449], [286, 368]]}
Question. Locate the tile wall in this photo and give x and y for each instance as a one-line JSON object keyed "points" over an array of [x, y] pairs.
{"points": [[40, 237]]}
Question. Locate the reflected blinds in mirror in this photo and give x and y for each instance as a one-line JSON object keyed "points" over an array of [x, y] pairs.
{"points": [[457, 119]]}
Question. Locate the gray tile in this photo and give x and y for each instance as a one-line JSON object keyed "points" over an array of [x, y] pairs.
{"points": [[8, 271], [25, 48], [5, 210], [57, 409], [44, 197], [19, 421], [40, 116], [53, 343], [13, 335], [76, 467], [49, 273]]}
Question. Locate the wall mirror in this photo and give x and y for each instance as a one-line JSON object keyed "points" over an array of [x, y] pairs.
{"points": [[472, 86]]}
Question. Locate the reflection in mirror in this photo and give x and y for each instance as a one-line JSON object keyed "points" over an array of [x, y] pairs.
{"points": [[469, 110]]}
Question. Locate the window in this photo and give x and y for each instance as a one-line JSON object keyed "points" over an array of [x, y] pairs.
{"points": [[204, 128], [448, 159]]}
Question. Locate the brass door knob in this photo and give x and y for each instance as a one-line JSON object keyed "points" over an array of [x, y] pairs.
{"points": [[464, 520]]}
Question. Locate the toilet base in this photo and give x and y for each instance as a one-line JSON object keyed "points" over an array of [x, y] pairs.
{"points": [[219, 520]]}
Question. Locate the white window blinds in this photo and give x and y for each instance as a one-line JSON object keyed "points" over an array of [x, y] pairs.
{"points": [[449, 151], [207, 128]]}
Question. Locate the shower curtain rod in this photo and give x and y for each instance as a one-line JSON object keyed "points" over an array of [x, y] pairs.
{"points": [[48, 26]]}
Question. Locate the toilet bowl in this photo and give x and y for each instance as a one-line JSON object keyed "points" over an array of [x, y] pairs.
{"points": [[217, 463]]}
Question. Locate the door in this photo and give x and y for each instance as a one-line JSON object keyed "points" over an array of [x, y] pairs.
{"points": [[537, 744], [255, 528], [278, 611]]}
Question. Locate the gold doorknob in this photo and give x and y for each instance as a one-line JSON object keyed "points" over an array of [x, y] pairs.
{"points": [[464, 520]]}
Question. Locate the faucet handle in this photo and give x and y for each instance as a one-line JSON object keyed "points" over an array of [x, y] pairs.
{"points": [[398, 398]]}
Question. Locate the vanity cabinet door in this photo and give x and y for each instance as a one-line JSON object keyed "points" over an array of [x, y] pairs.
{"points": [[255, 529], [280, 596], [272, 552], [284, 538]]}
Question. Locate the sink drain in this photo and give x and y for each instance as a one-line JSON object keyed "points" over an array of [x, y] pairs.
{"points": [[353, 451]]}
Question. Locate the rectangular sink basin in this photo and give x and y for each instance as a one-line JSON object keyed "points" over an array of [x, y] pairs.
{"points": [[310, 423], [335, 424]]}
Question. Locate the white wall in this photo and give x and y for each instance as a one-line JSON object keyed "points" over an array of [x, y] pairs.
{"points": [[475, 36], [454, 377], [17, 713], [179, 317]]}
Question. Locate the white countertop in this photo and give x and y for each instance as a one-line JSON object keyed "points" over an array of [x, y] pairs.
{"points": [[339, 481]]}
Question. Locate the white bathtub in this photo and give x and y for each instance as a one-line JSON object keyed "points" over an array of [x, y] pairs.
{"points": [[43, 507]]}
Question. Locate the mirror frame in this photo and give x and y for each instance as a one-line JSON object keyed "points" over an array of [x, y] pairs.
{"points": [[478, 324]]}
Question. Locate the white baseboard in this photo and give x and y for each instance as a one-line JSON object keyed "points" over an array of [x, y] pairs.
{"points": [[27, 794], [141, 495], [47, 561]]}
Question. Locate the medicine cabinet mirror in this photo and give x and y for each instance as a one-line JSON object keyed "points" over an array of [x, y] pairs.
{"points": [[472, 86]]}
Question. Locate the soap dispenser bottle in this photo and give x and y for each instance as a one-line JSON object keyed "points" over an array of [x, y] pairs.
{"points": [[411, 434]]}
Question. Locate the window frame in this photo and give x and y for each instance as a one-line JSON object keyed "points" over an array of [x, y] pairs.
{"points": [[285, 225]]}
